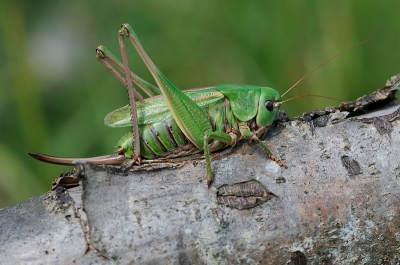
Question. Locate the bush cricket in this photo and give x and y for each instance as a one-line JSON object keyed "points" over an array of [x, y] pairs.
{"points": [[170, 123]]}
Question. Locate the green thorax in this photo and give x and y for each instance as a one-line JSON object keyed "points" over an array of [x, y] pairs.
{"points": [[248, 102]]}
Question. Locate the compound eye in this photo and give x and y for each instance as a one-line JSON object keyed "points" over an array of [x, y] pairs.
{"points": [[269, 105]]}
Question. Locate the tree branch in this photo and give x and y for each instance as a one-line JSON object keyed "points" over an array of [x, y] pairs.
{"points": [[338, 201]]}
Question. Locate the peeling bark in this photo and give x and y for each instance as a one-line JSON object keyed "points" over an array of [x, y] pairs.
{"points": [[338, 202]]}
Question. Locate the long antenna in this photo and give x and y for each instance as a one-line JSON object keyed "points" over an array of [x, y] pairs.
{"points": [[330, 59], [277, 104]]}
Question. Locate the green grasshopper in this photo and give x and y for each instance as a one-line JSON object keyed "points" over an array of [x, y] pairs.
{"points": [[171, 123]]}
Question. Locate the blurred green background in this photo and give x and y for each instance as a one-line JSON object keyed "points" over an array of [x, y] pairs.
{"points": [[54, 94]]}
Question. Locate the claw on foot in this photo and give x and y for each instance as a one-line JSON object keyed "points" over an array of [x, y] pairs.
{"points": [[278, 161], [137, 159], [209, 181]]}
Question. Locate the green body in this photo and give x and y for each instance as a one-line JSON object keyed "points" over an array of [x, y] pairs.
{"points": [[171, 123], [160, 136], [178, 123]]}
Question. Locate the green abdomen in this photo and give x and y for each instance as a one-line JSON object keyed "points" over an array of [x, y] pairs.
{"points": [[163, 138]]}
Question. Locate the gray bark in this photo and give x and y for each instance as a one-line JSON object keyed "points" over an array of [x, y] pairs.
{"points": [[338, 202]]}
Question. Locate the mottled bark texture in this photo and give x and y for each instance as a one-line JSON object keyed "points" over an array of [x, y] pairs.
{"points": [[338, 202]]}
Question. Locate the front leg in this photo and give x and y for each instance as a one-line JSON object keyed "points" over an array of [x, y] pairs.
{"points": [[269, 153], [247, 133]]}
